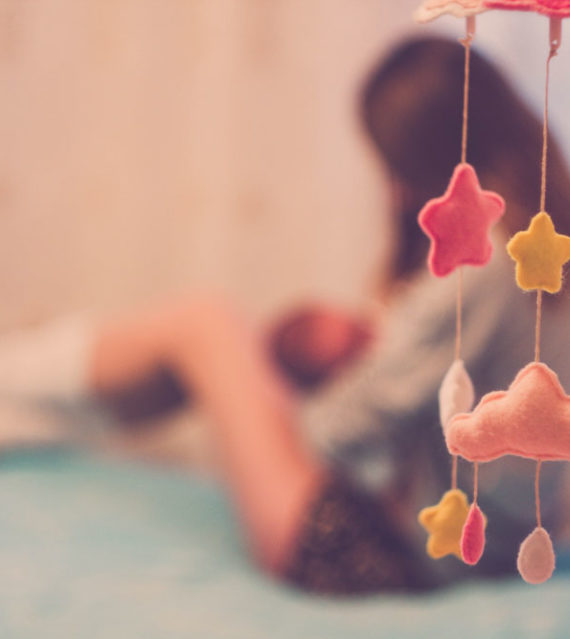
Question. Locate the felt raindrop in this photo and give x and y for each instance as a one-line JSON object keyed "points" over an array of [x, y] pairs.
{"points": [[536, 560], [456, 394], [473, 536]]}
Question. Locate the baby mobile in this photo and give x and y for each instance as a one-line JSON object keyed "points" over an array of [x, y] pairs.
{"points": [[532, 418]]}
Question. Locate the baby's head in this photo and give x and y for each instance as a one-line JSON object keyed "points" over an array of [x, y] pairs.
{"points": [[312, 344]]}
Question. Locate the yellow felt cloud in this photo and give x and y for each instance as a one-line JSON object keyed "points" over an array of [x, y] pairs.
{"points": [[540, 252], [444, 523]]}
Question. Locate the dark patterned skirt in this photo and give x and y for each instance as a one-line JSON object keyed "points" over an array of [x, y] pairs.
{"points": [[348, 544]]}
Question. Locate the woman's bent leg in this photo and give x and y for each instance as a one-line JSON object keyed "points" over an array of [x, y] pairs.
{"points": [[271, 475]]}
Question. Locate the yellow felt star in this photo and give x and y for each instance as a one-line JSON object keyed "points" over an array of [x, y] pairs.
{"points": [[540, 252], [444, 523]]}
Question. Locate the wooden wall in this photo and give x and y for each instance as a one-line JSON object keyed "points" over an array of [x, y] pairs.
{"points": [[151, 147]]}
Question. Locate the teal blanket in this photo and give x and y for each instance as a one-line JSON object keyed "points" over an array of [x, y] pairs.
{"points": [[93, 549]]}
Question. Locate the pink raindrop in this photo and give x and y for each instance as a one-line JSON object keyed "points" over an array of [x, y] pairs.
{"points": [[473, 536], [536, 558]]}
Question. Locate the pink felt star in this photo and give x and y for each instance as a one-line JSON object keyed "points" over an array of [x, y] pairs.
{"points": [[552, 8], [458, 223]]}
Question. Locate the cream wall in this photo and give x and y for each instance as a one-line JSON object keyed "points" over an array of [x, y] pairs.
{"points": [[155, 146], [151, 147]]}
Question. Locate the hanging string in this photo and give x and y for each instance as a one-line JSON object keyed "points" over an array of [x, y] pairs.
{"points": [[459, 304], [538, 325], [543, 163], [454, 472], [475, 481], [466, 42], [553, 52], [537, 493]]}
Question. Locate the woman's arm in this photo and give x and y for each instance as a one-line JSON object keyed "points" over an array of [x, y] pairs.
{"points": [[308, 346]]}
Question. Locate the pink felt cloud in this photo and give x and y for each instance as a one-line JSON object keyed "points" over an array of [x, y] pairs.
{"points": [[458, 223], [552, 8], [531, 419], [432, 9]]}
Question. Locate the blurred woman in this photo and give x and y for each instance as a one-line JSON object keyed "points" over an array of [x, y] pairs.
{"points": [[337, 513]]}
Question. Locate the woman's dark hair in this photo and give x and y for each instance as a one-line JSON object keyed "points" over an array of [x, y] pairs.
{"points": [[412, 107]]}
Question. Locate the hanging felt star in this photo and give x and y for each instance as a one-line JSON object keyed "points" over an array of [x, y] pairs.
{"points": [[540, 253], [458, 223], [432, 9], [444, 523], [552, 8]]}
